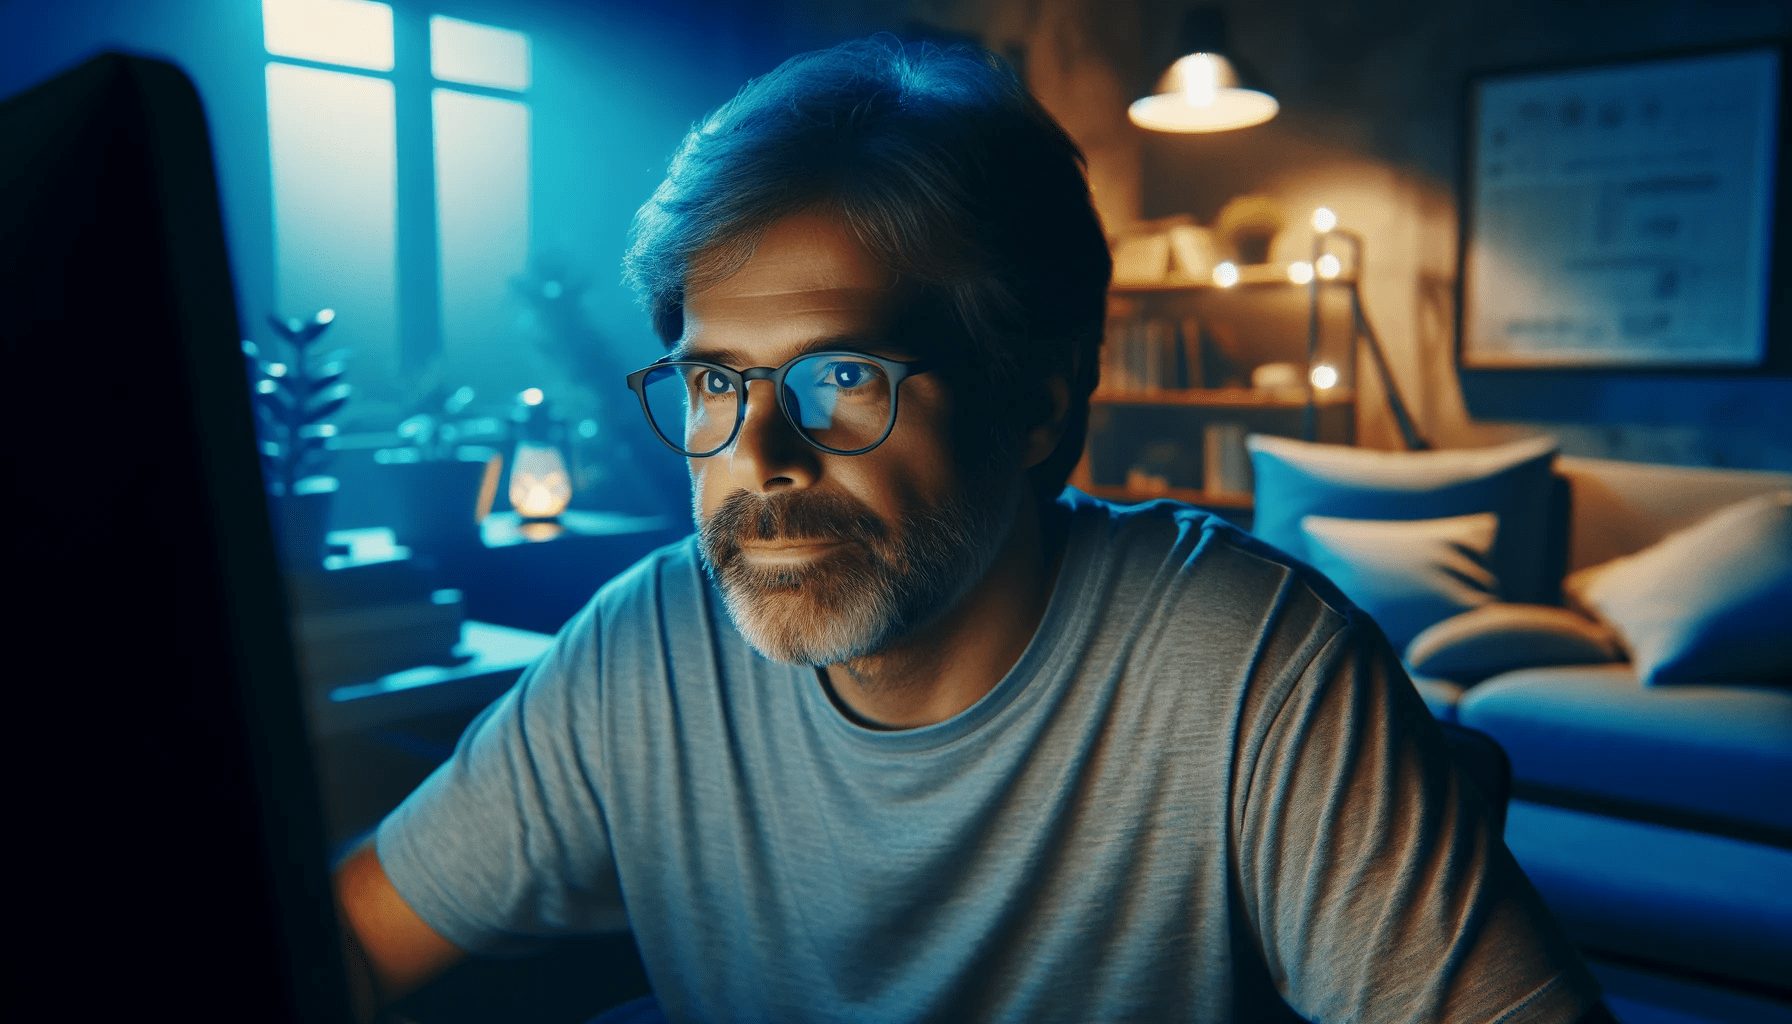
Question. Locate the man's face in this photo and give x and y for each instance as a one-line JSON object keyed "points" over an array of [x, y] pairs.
{"points": [[824, 558]]}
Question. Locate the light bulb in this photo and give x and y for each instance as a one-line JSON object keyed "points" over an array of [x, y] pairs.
{"points": [[1324, 376], [1324, 219], [1328, 266], [1200, 80], [1301, 272], [1225, 275], [531, 396]]}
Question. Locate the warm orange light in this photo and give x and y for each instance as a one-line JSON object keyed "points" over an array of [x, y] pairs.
{"points": [[1200, 93], [540, 487]]}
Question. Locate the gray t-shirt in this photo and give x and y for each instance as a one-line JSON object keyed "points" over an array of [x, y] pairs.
{"points": [[1206, 781]]}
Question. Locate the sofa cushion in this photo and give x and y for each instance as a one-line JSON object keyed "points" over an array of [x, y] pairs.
{"points": [[1711, 903], [1295, 479], [1620, 508], [1407, 574], [1715, 756], [1495, 638], [1707, 602]]}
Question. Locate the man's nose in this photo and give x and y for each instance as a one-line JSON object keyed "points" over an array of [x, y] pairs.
{"points": [[768, 454]]}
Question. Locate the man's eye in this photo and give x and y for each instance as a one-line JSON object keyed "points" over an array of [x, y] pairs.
{"points": [[715, 384], [849, 375]]}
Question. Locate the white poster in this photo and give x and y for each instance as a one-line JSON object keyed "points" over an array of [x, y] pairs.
{"points": [[1622, 215]]}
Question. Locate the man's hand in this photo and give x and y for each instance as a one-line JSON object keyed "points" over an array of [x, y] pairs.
{"points": [[390, 950]]}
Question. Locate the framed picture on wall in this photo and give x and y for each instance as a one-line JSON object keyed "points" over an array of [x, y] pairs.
{"points": [[1621, 215]]}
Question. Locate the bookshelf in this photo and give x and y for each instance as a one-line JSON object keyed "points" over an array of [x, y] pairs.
{"points": [[1153, 420]]}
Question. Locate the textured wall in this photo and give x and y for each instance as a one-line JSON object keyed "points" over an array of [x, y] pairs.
{"points": [[1370, 97]]}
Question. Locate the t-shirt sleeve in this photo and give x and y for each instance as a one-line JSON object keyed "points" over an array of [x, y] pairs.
{"points": [[1369, 868], [506, 843]]}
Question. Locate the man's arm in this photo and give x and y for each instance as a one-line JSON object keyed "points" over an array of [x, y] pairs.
{"points": [[1369, 866], [389, 949]]}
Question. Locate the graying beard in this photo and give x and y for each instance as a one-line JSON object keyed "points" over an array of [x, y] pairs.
{"points": [[859, 606]]}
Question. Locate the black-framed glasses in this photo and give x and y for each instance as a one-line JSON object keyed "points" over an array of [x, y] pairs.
{"points": [[841, 402]]}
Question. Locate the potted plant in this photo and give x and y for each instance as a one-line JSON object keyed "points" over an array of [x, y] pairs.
{"points": [[294, 394]]}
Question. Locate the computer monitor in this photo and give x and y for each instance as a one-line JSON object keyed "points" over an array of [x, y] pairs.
{"points": [[165, 805]]}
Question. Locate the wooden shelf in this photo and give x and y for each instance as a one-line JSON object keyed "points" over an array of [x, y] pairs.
{"points": [[1186, 495], [1250, 275], [1230, 398]]}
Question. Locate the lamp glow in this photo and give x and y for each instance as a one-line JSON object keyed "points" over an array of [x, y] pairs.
{"points": [[1200, 80], [531, 396], [1225, 275], [1300, 272], [1324, 376], [1328, 266], [1324, 220], [540, 487], [1200, 94]]}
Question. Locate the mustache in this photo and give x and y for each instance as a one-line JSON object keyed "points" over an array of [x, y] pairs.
{"points": [[789, 515]]}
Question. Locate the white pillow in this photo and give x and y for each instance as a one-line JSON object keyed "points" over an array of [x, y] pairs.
{"points": [[1710, 603], [1495, 638], [1407, 574]]}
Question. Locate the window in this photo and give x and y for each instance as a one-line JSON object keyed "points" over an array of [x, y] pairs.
{"points": [[413, 262], [482, 189]]}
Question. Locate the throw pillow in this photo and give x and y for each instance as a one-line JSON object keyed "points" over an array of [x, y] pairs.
{"points": [[1495, 638], [1406, 574], [1295, 479], [1710, 603]]}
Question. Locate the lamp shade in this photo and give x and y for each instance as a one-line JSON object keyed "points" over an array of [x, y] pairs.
{"points": [[540, 487], [1200, 93]]}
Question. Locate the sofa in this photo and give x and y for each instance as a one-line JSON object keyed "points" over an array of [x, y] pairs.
{"points": [[1651, 769]]}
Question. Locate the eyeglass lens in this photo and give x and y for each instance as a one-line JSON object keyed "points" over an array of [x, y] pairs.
{"points": [[836, 402]]}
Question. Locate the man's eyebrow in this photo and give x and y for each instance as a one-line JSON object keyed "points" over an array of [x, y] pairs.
{"points": [[738, 359]]}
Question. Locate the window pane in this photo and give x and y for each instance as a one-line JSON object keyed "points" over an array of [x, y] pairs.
{"points": [[482, 222], [330, 140], [461, 51], [352, 32]]}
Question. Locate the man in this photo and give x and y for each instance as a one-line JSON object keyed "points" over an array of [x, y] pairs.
{"points": [[902, 734]]}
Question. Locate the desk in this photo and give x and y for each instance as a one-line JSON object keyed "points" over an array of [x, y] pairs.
{"points": [[495, 657], [535, 576], [376, 741]]}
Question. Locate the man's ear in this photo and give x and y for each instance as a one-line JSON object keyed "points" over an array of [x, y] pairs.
{"points": [[1043, 436]]}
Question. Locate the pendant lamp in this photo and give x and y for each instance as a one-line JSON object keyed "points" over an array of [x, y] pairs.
{"points": [[1202, 90]]}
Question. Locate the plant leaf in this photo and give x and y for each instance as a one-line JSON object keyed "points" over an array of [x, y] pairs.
{"points": [[332, 393], [281, 329], [326, 409]]}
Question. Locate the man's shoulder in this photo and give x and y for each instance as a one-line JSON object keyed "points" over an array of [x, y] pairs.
{"points": [[1166, 536]]}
